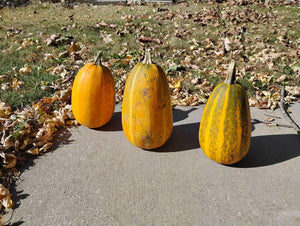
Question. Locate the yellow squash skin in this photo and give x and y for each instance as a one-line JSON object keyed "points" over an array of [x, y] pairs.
{"points": [[93, 95], [146, 111], [225, 128]]}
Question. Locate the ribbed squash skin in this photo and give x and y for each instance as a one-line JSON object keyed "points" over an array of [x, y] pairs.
{"points": [[93, 95], [146, 111], [225, 128]]}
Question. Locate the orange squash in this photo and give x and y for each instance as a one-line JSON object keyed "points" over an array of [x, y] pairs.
{"points": [[147, 118], [93, 95], [225, 128]]}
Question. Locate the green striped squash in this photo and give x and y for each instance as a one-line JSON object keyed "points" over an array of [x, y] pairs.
{"points": [[225, 128]]}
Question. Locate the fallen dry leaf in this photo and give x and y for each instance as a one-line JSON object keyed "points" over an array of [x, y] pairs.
{"points": [[25, 70], [53, 39], [17, 84], [5, 199], [106, 38], [33, 151], [144, 39], [175, 85], [5, 110], [10, 161], [74, 47], [227, 44], [282, 78]]}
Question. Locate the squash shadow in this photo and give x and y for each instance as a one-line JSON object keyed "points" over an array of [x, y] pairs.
{"points": [[115, 123], [184, 137], [270, 150], [253, 125], [179, 114]]}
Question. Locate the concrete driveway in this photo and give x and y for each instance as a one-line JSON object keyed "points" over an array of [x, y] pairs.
{"points": [[96, 177]]}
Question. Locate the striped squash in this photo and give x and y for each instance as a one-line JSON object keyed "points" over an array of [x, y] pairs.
{"points": [[146, 111], [93, 95], [225, 128]]}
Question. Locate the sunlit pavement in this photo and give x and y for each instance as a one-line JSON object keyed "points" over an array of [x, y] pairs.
{"points": [[96, 177]]}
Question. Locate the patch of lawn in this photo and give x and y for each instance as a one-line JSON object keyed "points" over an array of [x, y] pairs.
{"points": [[115, 29]]}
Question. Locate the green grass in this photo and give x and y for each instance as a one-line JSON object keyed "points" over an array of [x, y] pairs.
{"points": [[49, 19], [247, 85]]}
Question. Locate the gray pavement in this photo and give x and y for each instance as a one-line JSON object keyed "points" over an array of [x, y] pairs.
{"points": [[96, 177]]}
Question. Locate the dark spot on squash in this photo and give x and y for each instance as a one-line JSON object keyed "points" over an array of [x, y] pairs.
{"points": [[146, 92], [162, 105], [147, 140]]}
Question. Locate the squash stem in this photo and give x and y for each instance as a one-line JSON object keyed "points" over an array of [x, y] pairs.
{"points": [[230, 79], [98, 59], [147, 59]]}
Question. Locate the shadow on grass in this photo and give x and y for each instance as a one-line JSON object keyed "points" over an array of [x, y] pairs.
{"points": [[269, 150]]}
